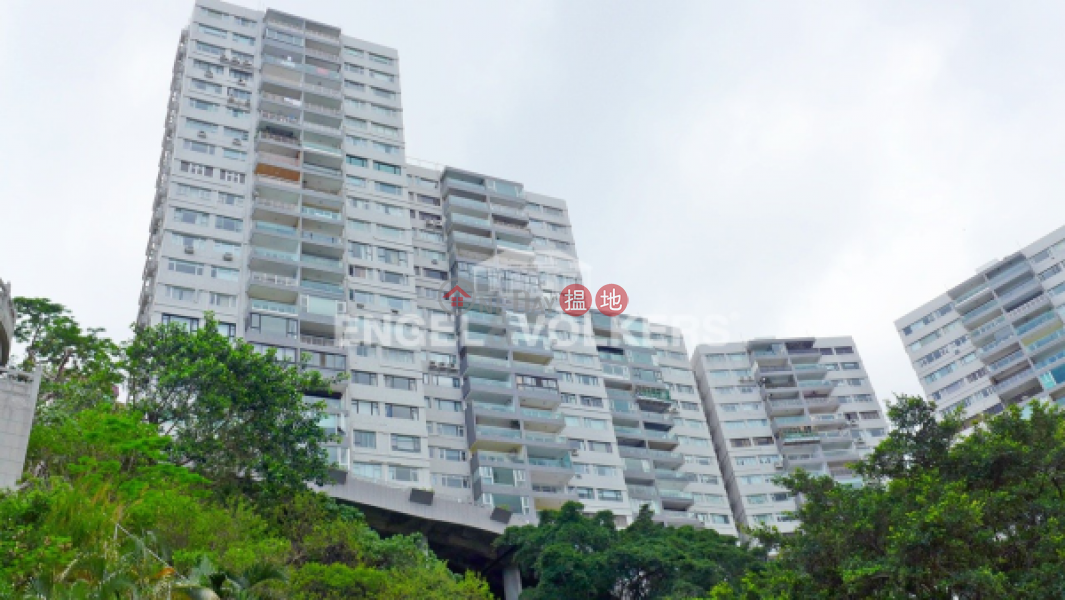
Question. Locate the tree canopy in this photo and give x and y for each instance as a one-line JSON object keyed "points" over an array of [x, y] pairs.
{"points": [[571, 555], [940, 515], [193, 489]]}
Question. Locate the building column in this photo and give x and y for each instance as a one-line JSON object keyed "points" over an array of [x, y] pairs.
{"points": [[511, 582]]}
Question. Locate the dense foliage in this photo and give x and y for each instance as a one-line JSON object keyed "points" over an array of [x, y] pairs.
{"points": [[120, 500], [576, 556], [940, 516]]}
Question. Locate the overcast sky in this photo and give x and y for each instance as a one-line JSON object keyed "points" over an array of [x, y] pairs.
{"points": [[793, 168]]}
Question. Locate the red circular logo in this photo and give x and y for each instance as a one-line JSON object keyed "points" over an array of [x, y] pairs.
{"points": [[611, 300], [575, 299]]}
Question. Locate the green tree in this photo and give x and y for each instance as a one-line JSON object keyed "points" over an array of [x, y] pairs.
{"points": [[576, 556], [236, 416], [939, 516], [79, 365]]}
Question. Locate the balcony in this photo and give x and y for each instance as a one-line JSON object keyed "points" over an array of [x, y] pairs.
{"points": [[321, 342], [1009, 274], [1028, 307], [332, 264], [1036, 323], [1005, 361], [976, 317], [272, 254], [782, 407], [1013, 381], [967, 296], [660, 457], [642, 492], [272, 279], [799, 437], [999, 344], [1046, 340], [321, 238], [274, 307], [320, 170], [322, 286], [987, 328], [275, 229], [318, 213], [676, 518]]}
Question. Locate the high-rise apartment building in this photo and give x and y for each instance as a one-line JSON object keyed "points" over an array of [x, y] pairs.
{"points": [[775, 405], [997, 338], [286, 205]]}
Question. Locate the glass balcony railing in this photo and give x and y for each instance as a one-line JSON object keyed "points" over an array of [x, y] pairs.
{"points": [[484, 430], [482, 338], [317, 212], [270, 306], [487, 361], [469, 238], [508, 408], [1046, 340], [1036, 322], [321, 285], [324, 261], [274, 228], [652, 393], [967, 295], [467, 203], [468, 220], [667, 493], [540, 413], [535, 436], [1010, 272], [514, 245], [274, 254], [490, 382], [549, 462]]}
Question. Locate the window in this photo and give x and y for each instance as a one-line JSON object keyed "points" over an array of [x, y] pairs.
{"points": [[243, 39], [586, 379], [182, 294], [379, 75], [237, 113], [207, 67], [449, 430], [231, 176], [398, 411], [228, 224], [210, 48], [598, 446], [400, 383], [230, 199], [377, 58], [449, 454], [186, 267], [196, 169], [406, 443], [206, 87], [387, 168], [450, 481], [362, 251], [367, 470], [186, 323], [234, 154], [392, 257], [363, 378], [202, 104], [223, 300], [388, 188], [394, 233], [844, 350], [364, 407], [207, 29], [238, 75], [610, 495], [363, 439], [233, 132], [399, 473], [448, 405], [192, 217], [384, 130], [357, 161], [398, 355]]}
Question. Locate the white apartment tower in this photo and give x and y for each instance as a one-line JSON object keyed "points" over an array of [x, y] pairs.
{"points": [[997, 338], [286, 205], [776, 405]]}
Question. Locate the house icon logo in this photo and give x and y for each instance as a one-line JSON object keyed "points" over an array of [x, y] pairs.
{"points": [[457, 295]]}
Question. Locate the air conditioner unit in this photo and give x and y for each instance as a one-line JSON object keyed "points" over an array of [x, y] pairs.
{"points": [[202, 134], [395, 312], [360, 305], [236, 141], [778, 466], [241, 82], [852, 422], [342, 307], [859, 442], [189, 250], [227, 256], [578, 476], [209, 75], [247, 63], [434, 261], [573, 451]]}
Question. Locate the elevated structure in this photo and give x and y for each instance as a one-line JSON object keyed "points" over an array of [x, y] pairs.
{"points": [[18, 398]]}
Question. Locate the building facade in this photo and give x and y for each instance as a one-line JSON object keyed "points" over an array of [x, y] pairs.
{"points": [[997, 338], [776, 405], [18, 398], [285, 205]]}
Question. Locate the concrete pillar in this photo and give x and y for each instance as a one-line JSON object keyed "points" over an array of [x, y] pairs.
{"points": [[511, 582]]}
